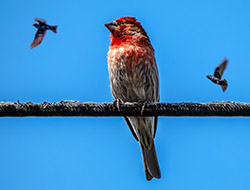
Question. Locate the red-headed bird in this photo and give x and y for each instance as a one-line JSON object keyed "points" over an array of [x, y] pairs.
{"points": [[133, 77], [42, 28]]}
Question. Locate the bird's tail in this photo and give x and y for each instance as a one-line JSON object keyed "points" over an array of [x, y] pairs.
{"points": [[224, 85], [54, 28], [151, 166]]}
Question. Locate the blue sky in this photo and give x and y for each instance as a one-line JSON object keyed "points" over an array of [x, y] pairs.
{"points": [[190, 39]]}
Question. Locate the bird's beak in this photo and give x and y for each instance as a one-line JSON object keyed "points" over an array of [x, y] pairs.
{"points": [[112, 26]]}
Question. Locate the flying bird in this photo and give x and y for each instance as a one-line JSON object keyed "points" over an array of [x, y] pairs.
{"points": [[42, 28], [133, 77], [216, 77]]}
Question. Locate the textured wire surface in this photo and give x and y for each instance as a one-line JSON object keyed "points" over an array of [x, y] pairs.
{"points": [[75, 108]]}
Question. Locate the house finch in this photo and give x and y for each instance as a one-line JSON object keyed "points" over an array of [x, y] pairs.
{"points": [[216, 77], [42, 28], [133, 77]]}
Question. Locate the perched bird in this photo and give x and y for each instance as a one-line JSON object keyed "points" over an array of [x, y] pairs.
{"points": [[216, 77], [133, 77], [42, 28]]}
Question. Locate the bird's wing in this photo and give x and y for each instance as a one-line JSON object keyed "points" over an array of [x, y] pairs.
{"points": [[155, 125], [130, 127], [221, 68], [40, 20], [132, 130], [38, 38]]}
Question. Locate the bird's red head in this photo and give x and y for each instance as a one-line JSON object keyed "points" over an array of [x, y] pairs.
{"points": [[126, 29], [128, 19]]}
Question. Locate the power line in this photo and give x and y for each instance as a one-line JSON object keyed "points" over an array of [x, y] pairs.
{"points": [[75, 108]]}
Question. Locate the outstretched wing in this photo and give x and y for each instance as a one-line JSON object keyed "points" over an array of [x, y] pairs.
{"points": [[38, 38], [40, 20], [221, 68]]}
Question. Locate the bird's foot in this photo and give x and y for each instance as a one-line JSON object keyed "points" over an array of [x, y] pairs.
{"points": [[117, 103], [144, 103]]}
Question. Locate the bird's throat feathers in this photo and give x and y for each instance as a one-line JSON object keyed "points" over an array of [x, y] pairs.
{"points": [[118, 40], [124, 40]]}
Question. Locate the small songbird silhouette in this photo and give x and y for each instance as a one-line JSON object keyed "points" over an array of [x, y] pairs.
{"points": [[42, 28], [216, 77]]}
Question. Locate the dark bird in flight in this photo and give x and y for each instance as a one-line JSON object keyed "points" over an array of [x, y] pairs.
{"points": [[42, 28], [216, 77]]}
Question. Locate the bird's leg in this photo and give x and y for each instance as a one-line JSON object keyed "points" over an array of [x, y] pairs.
{"points": [[117, 102], [144, 103]]}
